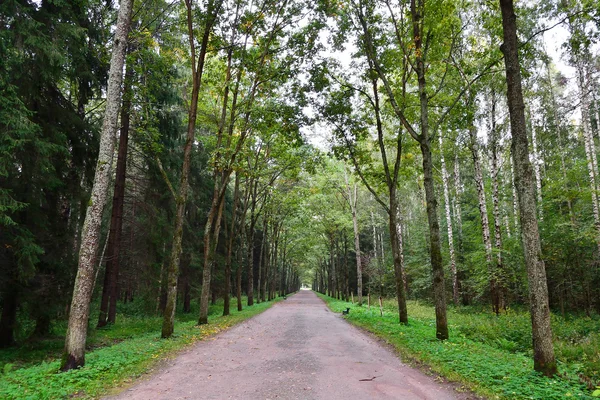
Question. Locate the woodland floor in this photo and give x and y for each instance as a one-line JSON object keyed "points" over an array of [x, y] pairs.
{"points": [[298, 349]]}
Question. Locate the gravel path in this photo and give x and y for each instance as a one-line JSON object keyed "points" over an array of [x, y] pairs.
{"points": [[298, 349]]}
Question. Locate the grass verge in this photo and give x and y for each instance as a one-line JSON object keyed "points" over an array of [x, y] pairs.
{"points": [[486, 369], [122, 353]]}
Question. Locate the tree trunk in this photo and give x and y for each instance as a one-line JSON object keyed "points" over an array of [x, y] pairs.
{"points": [[514, 194], [346, 272], [266, 262], [238, 280], [250, 290], [543, 349], [428, 183], [228, 257], [359, 283], [495, 169], [445, 183], [161, 298], [400, 236], [558, 126], [395, 241], [536, 167], [181, 198], [74, 354], [435, 244], [483, 213], [111, 275], [590, 147], [456, 200], [261, 256], [211, 230]]}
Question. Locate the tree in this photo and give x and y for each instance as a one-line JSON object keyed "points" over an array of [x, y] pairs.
{"points": [[423, 137], [48, 144], [352, 200], [197, 64], [543, 349], [74, 355]]}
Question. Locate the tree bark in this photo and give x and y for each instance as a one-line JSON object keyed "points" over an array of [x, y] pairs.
{"points": [[211, 230], [543, 349], [495, 169], [428, 183], [536, 168], [557, 127], [266, 261], [108, 304], [181, 198], [483, 213], [447, 205], [74, 354], [357, 251], [250, 290], [396, 241], [590, 146], [228, 257]]}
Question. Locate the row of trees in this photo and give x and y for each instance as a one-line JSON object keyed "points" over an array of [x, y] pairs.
{"points": [[208, 142], [215, 192], [427, 74]]}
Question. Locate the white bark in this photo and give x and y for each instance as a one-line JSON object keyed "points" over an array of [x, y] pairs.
{"points": [[374, 235], [456, 199], [536, 170], [449, 223], [590, 147], [557, 127], [494, 141], [485, 224], [84, 282], [514, 195], [353, 200]]}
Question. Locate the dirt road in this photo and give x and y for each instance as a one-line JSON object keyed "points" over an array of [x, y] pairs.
{"points": [[298, 349]]}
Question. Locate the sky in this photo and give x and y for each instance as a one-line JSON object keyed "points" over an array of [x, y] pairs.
{"points": [[318, 135]]}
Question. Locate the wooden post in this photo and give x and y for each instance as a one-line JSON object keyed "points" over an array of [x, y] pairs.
{"points": [[380, 306], [352, 295]]}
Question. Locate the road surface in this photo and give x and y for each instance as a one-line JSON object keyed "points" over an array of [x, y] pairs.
{"points": [[297, 349]]}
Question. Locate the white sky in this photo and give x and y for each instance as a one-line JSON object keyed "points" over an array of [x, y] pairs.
{"points": [[553, 40]]}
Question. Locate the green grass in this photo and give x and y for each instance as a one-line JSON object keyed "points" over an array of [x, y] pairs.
{"points": [[116, 355], [485, 353]]}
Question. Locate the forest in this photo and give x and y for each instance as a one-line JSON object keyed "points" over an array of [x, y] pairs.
{"points": [[169, 167]]}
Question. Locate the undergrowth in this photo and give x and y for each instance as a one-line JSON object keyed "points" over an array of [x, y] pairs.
{"points": [[487, 354], [116, 355]]}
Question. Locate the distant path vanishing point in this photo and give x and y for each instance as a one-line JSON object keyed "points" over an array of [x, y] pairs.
{"points": [[297, 349]]}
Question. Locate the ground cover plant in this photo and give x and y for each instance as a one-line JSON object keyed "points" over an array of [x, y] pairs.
{"points": [[487, 354], [115, 357]]}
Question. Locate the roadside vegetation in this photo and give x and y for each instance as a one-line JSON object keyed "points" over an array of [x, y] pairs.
{"points": [[116, 355], [423, 150], [488, 354]]}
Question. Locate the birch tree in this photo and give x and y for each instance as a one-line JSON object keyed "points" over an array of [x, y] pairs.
{"points": [[352, 200], [447, 205]]}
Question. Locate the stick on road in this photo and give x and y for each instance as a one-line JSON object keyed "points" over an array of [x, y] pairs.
{"points": [[297, 349]]}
